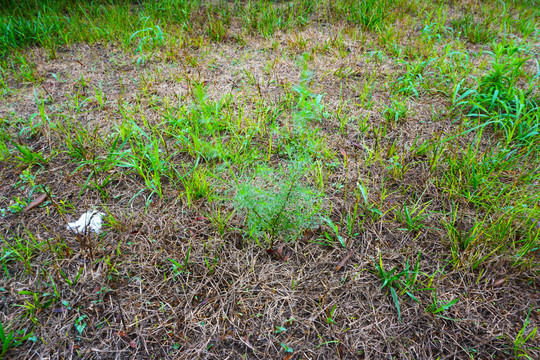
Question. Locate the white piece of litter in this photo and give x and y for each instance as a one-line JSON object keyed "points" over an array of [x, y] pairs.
{"points": [[90, 221]]}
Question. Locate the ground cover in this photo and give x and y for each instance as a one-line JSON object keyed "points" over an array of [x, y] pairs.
{"points": [[278, 180]]}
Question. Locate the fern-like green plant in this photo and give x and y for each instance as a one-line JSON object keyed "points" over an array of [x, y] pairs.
{"points": [[277, 204]]}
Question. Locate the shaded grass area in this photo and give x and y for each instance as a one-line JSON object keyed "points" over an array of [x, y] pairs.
{"points": [[331, 179]]}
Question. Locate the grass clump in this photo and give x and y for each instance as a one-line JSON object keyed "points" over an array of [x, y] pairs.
{"points": [[20, 32], [501, 100], [475, 32], [301, 138], [396, 112], [371, 14], [399, 282]]}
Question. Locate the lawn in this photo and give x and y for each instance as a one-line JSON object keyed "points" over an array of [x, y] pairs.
{"points": [[328, 179]]}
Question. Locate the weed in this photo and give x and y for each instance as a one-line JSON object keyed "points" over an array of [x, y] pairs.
{"points": [[177, 11], [413, 78], [499, 101], [148, 37], [197, 185], [412, 217], [302, 139], [330, 238], [10, 339], [28, 156], [434, 29], [80, 324], [476, 32], [370, 14], [100, 96], [286, 348], [369, 207], [520, 350], [17, 32], [438, 308], [219, 20], [276, 203], [37, 303], [262, 16], [220, 219], [177, 268], [147, 159], [403, 281], [330, 318], [396, 112]]}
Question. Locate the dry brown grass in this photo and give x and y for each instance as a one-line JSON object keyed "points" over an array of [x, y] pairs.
{"points": [[135, 309]]}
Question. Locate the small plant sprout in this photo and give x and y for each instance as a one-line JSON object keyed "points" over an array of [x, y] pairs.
{"points": [[177, 268], [80, 325], [10, 339], [412, 218], [330, 318], [286, 348], [330, 238]]}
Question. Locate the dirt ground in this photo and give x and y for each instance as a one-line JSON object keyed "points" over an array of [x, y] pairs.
{"points": [[235, 299]]}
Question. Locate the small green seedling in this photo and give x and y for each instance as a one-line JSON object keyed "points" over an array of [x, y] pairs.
{"points": [[330, 318], [330, 237], [177, 268], [437, 307], [286, 348], [80, 325]]}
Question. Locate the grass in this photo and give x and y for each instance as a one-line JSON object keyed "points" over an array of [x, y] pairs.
{"points": [[291, 179]]}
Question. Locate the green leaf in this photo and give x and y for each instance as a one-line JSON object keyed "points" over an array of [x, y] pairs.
{"points": [[446, 306], [396, 302], [286, 348]]}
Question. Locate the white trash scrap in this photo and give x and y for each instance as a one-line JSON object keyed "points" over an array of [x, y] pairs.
{"points": [[89, 221]]}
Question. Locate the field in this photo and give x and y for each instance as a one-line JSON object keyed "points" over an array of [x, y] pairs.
{"points": [[329, 179]]}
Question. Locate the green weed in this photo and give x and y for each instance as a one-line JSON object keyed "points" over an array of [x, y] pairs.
{"points": [[396, 112], [438, 308], [520, 348], [477, 32], [412, 217], [11, 339], [404, 281], [371, 14], [178, 268], [277, 203], [330, 237]]}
